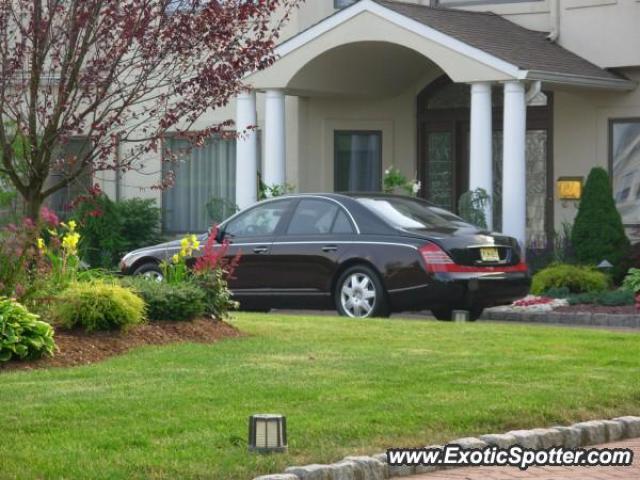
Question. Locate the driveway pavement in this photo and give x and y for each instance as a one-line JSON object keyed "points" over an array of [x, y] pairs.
{"points": [[545, 473], [425, 316]]}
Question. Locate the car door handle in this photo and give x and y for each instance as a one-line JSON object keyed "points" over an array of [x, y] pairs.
{"points": [[260, 250], [330, 248]]}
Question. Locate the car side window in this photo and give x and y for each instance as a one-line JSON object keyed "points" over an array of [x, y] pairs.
{"points": [[312, 217], [342, 225], [259, 221]]}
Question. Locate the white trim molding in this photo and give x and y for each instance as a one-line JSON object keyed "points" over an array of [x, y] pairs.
{"points": [[447, 41], [402, 21]]}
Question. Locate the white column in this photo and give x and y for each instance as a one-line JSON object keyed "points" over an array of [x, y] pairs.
{"points": [[514, 168], [274, 172], [246, 150], [480, 146]]}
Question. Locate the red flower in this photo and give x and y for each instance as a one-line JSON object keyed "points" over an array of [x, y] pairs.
{"points": [[214, 256]]}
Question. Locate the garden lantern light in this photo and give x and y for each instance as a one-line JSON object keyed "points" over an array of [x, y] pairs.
{"points": [[267, 433]]}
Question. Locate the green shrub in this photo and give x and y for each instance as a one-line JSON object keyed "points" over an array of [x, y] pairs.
{"points": [[557, 292], [109, 229], [99, 227], [98, 305], [598, 233], [140, 221], [22, 334], [632, 280], [218, 298], [576, 278], [167, 301], [473, 206], [613, 298]]}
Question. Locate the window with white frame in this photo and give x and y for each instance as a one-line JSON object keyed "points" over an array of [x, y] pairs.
{"points": [[624, 156], [204, 189]]}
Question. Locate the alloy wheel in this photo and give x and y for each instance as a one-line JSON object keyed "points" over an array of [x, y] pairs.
{"points": [[358, 295], [153, 275]]}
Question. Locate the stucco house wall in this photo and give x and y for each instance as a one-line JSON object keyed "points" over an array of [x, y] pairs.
{"points": [[320, 100]]}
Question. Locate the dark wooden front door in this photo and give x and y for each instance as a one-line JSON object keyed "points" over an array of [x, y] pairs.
{"points": [[443, 153]]}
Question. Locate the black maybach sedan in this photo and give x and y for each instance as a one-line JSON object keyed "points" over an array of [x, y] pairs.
{"points": [[366, 255]]}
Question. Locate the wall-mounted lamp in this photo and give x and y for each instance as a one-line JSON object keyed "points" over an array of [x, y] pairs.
{"points": [[267, 433], [570, 188]]}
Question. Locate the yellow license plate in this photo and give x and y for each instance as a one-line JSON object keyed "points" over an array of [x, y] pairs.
{"points": [[489, 255]]}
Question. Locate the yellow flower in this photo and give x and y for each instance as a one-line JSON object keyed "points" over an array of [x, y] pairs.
{"points": [[175, 258], [70, 243], [71, 225], [41, 245]]}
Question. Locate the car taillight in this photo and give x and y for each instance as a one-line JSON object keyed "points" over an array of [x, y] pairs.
{"points": [[435, 259]]}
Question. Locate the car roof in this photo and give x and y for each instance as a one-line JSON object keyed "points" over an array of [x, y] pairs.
{"points": [[344, 195]]}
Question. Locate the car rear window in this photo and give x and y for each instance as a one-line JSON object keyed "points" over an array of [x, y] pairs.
{"points": [[411, 214]]}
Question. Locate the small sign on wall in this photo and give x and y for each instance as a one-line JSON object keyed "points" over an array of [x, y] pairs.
{"points": [[570, 188]]}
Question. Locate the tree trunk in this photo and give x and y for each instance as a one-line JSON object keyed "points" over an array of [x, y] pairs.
{"points": [[32, 204]]}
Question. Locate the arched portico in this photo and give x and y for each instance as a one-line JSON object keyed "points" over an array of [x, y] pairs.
{"points": [[360, 66]]}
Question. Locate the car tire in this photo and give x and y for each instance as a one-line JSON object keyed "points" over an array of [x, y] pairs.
{"points": [[359, 293], [444, 314], [149, 270]]}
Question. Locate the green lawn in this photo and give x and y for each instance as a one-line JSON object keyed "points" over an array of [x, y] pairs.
{"points": [[346, 386]]}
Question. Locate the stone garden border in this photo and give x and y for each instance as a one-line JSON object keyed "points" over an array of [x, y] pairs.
{"points": [[581, 434], [567, 318]]}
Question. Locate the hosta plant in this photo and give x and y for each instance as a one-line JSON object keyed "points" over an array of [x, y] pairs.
{"points": [[23, 335]]}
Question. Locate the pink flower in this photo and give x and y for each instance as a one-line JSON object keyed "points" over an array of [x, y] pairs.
{"points": [[49, 217]]}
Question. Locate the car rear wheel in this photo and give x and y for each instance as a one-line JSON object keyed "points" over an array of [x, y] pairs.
{"points": [[360, 294], [445, 313], [150, 271]]}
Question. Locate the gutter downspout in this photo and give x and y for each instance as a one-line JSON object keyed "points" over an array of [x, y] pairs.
{"points": [[534, 90], [554, 20]]}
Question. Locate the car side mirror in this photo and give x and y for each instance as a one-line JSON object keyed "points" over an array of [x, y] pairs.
{"points": [[220, 234]]}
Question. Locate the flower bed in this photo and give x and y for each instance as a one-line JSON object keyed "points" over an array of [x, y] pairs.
{"points": [[77, 347]]}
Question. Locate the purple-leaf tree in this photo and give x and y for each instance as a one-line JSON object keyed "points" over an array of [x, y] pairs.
{"points": [[118, 72]]}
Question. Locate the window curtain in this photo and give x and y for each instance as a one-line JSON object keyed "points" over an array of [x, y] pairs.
{"points": [[204, 188], [358, 161]]}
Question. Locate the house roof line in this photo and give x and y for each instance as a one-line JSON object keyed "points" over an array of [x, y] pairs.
{"points": [[476, 35], [371, 6]]}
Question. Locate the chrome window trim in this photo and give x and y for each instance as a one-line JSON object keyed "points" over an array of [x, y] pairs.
{"points": [[286, 197], [325, 242]]}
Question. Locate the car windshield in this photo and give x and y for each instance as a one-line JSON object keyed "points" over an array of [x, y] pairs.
{"points": [[409, 213]]}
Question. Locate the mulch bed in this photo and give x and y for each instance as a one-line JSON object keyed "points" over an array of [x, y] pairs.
{"points": [[80, 348], [587, 308]]}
